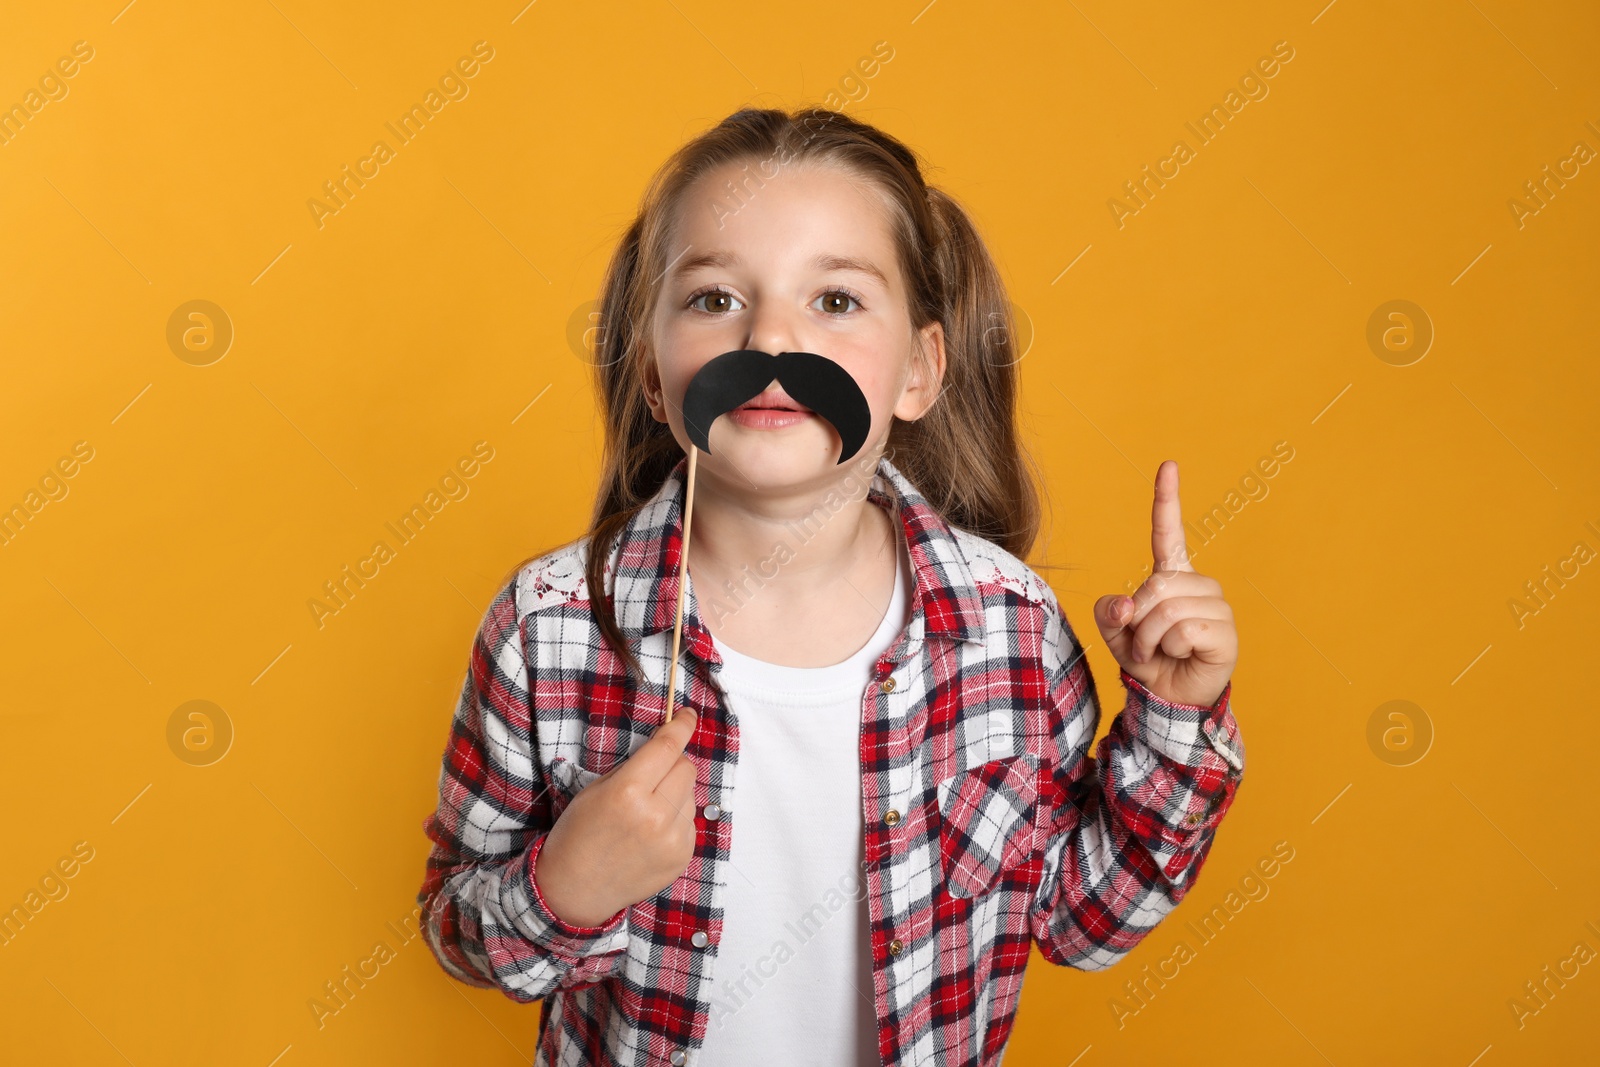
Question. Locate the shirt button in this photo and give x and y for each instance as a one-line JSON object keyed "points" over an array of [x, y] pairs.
{"points": [[887, 685], [891, 817], [713, 812], [895, 947], [699, 940], [677, 1056], [1195, 819]]}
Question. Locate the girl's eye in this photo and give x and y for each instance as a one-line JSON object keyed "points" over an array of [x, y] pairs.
{"points": [[719, 301], [722, 297], [834, 299]]}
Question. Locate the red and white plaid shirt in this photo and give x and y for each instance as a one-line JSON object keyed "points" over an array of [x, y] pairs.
{"points": [[988, 828]]}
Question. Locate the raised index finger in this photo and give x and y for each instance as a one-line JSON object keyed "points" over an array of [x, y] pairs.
{"points": [[1166, 522]]}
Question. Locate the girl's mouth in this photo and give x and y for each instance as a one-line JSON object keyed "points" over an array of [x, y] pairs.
{"points": [[770, 411], [764, 418]]}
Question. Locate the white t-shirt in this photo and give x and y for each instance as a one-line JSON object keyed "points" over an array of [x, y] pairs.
{"points": [[793, 975]]}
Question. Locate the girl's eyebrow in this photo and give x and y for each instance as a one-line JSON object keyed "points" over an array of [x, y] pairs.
{"points": [[859, 266], [726, 259]]}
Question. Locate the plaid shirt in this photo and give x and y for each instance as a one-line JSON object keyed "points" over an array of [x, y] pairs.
{"points": [[988, 828]]}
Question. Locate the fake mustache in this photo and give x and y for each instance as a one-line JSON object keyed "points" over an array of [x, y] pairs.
{"points": [[816, 381]]}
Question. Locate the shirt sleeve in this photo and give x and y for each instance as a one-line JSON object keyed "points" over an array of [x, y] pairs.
{"points": [[1126, 833], [484, 917]]}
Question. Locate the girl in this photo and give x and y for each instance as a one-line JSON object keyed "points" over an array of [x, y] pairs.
{"points": [[875, 793]]}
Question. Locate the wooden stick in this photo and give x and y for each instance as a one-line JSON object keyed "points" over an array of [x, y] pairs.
{"points": [[683, 569]]}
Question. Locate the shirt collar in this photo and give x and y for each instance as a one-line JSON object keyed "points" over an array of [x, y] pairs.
{"points": [[645, 560]]}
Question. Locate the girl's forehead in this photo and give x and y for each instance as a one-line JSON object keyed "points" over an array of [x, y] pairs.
{"points": [[806, 216], [733, 200]]}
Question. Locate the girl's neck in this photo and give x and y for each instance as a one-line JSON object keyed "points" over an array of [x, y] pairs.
{"points": [[800, 579]]}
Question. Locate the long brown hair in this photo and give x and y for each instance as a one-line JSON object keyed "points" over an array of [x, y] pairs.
{"points": [[963, 455]]}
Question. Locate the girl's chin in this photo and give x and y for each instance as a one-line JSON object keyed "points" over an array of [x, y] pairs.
{"points": [[789, 455]]}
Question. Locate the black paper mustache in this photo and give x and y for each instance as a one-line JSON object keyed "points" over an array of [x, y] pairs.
{"points": [[816, 381]]}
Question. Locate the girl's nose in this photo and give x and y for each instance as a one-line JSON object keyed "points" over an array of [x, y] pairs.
{"points": [[773, 330]]}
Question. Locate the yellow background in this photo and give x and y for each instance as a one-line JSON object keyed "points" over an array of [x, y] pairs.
{"points": [[1228, 314]]}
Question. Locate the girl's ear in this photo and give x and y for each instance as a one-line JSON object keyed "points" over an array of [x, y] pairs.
{"points": [[651, 386], [927, 375]]}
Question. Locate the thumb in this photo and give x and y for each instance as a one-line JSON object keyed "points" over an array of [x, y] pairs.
{"points": [[1112, 613], [651, 761], [680, 734]]}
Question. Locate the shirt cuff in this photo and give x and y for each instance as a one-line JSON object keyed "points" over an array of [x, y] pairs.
{"points": [[527, 908], [1188, 734]]}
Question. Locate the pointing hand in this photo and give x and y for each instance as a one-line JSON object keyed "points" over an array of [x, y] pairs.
{"points": [[1175, 635]]}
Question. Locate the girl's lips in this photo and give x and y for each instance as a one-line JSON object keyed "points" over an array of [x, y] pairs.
{"points": [[768, 418]]}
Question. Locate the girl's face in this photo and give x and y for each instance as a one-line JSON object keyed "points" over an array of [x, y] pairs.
{"points": [[802, 263]]}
